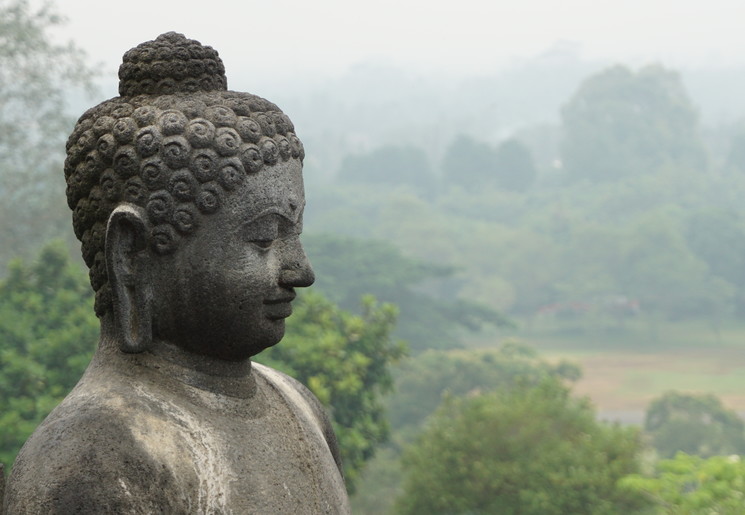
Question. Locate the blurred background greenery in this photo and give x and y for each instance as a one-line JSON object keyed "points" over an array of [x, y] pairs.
{"points": [[514, 313]]}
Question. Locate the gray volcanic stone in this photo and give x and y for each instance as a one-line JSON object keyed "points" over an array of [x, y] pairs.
{"points": [[188, 200]]}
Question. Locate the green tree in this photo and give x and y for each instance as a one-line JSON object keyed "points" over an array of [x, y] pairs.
{"points": [[514, 166], [423, 383], [717, 237], [531, 450], [659, 269], [469, 163], [36, 76], [691, 485], [622, 123], [473, 165], [695, 424], [345, 361], [48, 333]]}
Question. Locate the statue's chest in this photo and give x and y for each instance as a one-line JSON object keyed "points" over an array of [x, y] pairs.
{"points": [[265, 458]]}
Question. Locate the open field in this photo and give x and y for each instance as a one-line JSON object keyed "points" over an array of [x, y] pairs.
{"points": [[625, 367]]}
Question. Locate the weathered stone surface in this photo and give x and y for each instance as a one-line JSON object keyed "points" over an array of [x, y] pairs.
{"points": [[2, 488], [188, 201]]}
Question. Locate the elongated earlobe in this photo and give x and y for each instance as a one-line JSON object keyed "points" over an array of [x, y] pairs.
{"points": [[128, 274]]}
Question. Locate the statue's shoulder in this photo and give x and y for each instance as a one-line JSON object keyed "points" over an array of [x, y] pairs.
{"points": [[304, 403], [84, 459]]}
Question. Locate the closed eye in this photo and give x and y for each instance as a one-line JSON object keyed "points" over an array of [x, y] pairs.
{"points": [[265, 230], [264, 244], [262, 231]]}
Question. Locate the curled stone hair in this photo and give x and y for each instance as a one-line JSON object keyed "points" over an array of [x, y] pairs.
{"points": [[174, 143]]}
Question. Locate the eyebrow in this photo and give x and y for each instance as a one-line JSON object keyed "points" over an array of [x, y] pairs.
{"points": [[274, 210]]}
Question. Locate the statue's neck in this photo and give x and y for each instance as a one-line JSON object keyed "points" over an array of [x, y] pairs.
{"points": [[216, 375], [219, 376], [198, 363]]}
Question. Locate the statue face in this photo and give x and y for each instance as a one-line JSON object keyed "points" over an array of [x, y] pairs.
{"points": [[226, 291]]}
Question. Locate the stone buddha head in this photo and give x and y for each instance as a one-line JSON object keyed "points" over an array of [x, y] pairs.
{"points": [[188, 201]]}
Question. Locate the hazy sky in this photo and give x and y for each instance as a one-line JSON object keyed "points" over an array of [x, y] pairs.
{"points": [[285, 37]]}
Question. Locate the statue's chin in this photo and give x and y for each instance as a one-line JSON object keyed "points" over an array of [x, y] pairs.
{"points": [[244, 348], [200, 341]]}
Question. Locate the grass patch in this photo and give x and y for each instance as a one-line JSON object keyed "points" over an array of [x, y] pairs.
{"points": [[626, 365]]}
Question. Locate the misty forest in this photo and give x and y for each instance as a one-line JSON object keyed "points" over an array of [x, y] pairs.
{"points": [[530, 293]]}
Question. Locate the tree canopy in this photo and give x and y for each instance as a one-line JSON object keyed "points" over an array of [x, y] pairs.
{"points": [[468, 163], [474, 165], [692, 485], [514, 166], [48, 333], [623, 123], [423, 383], [694, 424], [36, 76], [391, 165], [531, 450]]}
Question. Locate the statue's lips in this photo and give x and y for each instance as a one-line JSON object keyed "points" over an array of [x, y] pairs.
{"points": [[278, 308]]}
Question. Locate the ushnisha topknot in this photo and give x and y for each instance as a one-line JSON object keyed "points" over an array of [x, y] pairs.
{"points": [[175, 143], [169, 64]]}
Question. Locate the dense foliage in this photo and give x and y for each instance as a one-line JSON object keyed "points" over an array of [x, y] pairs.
{"points": [[693, 424], [530, 450], [422, 383], [691, 485], [47, 335], [622, 123]]}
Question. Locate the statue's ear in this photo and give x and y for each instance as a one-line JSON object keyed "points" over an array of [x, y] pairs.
{"points": [[129, 277]]}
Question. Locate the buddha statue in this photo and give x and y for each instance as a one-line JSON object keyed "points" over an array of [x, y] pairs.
{"points": [[188, 201]]}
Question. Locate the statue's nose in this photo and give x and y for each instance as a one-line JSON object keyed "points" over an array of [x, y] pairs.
{"points": [[296, 271]]}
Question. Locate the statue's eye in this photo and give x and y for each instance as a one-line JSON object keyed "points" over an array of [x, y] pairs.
{"points": [[264, 244], [263, 231]]}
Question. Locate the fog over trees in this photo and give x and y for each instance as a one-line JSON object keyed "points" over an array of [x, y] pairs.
{"points": [[489, 250]]}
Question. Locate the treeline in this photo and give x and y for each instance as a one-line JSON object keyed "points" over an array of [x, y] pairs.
{"points": [[637, 211]]}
